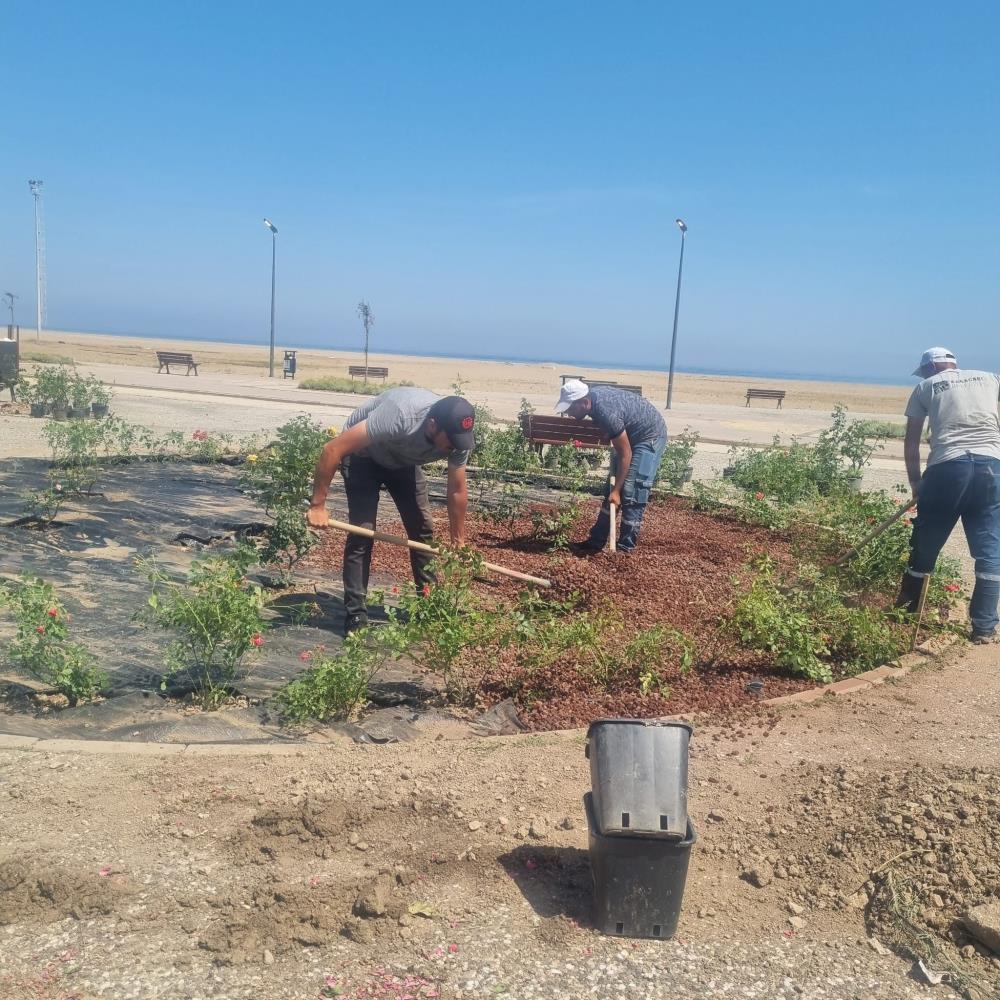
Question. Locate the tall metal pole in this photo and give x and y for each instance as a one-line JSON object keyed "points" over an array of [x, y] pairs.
{"points": [[274, 250], [36, 191], [677, 306]]}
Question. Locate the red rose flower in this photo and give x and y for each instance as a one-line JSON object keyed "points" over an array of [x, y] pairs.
{"points": [[426, 590], [758, 496], [952, 587], [40, 630], [305, 656], [257, 640], [53, 612]]}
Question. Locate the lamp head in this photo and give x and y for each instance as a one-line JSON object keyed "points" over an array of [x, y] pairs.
{"points": [[270, 225], [681, 225]]}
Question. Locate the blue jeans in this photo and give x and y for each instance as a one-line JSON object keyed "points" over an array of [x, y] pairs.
{"points": [[635, 495], [966, 488]]}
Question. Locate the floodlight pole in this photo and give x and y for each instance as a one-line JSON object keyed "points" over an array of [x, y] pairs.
{"points": [[274, 251], [677, 306]]}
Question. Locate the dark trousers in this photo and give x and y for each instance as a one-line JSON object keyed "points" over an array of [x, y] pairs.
{"points": [[966, 488], [408, 489], [636, 489]]}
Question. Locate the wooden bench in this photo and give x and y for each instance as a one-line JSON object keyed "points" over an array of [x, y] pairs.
{"points": [[540, 431], [778, 394], [168, 358], [637, 389], [359, 371]]}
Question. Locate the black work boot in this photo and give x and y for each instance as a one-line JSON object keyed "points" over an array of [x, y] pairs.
{"points": [[909, 593], [354, 623]]}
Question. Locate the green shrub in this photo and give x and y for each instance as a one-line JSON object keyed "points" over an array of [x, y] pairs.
{"points": [[42, 647], [824, 528], [677, 457], [768, 620], [809, 627], [334, 687], [279, 478], [332, 383], [553, 524], [286, 540], [795, 472], [281, 474], [53, 386], [217, 616]]}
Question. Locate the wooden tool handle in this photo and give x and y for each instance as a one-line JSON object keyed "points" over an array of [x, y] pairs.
{"points": [[381, 536], [613, 534], [874, 533]]}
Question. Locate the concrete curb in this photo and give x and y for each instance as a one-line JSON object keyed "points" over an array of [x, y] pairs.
{"points": [[871, 678]]}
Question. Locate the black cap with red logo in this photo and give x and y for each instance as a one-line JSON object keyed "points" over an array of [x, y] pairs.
{"points": [[457, 418]]}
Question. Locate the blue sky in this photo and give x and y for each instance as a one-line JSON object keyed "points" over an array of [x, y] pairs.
{"points": [[502, 179]]}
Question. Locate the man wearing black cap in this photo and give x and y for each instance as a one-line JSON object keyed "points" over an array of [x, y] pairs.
{"points": [[385, 443]]}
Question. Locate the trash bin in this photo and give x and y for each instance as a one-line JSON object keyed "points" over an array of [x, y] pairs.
{"points": [[639, 777], [290, 364], [638, 881]]}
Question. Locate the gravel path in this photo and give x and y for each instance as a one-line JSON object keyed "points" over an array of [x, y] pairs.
{"points": [[235, 877]]}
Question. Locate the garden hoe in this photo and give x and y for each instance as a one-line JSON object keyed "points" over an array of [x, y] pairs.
{"points": [[381, 536], [856, 548], [874, 533]]}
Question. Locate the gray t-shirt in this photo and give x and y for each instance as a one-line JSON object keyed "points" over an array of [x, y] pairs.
{"points": [[396, 429], [616, 410], [961, 407]]}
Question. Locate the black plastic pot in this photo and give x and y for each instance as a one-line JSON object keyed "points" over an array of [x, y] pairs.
{"points": [[38, 409], [99, 409], [60, 411], [638, 881]]}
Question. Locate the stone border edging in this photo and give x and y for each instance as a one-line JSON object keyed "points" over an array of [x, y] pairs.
{"points": [[869, 679]]}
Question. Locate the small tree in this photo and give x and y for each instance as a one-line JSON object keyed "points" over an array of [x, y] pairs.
{"points": [[367, 321]]}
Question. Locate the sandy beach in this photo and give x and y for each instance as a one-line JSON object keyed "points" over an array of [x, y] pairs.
{"points": [[500, 383]]}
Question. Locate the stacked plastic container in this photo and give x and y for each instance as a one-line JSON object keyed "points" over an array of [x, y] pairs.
{"points": [[640, 832]]}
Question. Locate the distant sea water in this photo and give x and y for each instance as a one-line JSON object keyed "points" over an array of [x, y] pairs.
{"points": [[568, 363]]}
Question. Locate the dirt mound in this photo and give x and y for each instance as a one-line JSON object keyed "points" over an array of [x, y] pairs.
{"points": [[314, 829], [34, 893], [280, 917], [915, 850]]}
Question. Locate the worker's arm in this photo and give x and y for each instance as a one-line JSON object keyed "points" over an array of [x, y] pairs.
{"points": [[623, 450], [911, 451], [458, 503], [353, 439]]}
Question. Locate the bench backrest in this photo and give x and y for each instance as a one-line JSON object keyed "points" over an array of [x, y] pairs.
{"points": [[360, 370], [767, 393], [637, 389], [562, 430], [177, 356]]}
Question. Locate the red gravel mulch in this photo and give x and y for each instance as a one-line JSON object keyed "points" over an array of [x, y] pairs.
{"points": [[681, 574]]}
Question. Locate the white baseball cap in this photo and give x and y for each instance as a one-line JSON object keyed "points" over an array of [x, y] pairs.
{"points": [[931, 355], [572, 390]]}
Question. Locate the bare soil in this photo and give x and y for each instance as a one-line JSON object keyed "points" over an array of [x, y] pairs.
{"points": [[684, 574], [459, 868]]}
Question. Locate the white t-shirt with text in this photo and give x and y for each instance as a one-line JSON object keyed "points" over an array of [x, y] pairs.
{"points": [[961, 407]]}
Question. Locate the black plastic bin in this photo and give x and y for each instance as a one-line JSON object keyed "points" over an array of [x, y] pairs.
{"points": [[638, 881]]}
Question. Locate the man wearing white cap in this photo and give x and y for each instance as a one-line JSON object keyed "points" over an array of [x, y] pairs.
{"points": [[638, 436], [962, 479]]}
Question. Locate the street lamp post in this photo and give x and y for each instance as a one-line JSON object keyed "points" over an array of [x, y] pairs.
{"points": [[10, 296], [274, 245], [677, 305]]}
